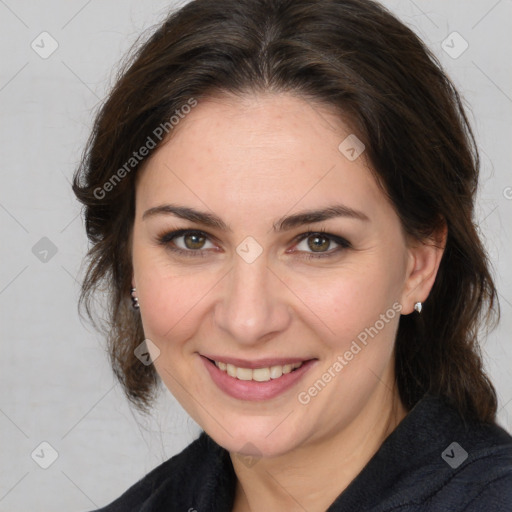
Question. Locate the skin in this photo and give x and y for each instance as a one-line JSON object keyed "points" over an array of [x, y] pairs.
{"points": [[251, 161]]}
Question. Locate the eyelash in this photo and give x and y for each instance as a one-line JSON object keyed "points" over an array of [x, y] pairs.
{"points": [[166, 238]]}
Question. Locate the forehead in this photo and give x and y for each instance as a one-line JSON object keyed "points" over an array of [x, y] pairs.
{"points": [[268, 152]]}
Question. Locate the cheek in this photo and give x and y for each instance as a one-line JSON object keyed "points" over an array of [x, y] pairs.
{"points": [[170, 305], [170, 298], [171, 308], [350, 300], [358, 314]]}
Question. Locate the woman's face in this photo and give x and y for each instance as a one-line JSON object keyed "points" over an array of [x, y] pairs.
{"points": [[291, 254]]}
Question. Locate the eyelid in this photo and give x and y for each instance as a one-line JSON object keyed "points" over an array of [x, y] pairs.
{"points": [[167, 237], [340, 241]]}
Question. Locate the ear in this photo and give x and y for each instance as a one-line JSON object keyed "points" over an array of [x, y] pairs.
{"points": [[424, 259]]}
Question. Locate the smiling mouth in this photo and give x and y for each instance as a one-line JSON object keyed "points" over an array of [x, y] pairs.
{"points": [[256, 380], [263, 374]]}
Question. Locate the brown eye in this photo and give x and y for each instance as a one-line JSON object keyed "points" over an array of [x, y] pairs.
{"points": [[186, 242], [194, 241], [318, 243]]}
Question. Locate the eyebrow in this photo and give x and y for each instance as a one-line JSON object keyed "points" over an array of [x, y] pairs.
{"points": [[285, 223]]}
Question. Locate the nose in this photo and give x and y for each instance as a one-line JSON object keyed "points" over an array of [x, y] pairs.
{"points": [[253, 304]]}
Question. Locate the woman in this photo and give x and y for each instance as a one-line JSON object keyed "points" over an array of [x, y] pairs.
{"points": [[279, 196]]}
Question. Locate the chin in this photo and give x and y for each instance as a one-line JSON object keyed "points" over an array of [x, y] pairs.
{"points": [[257, 438]]}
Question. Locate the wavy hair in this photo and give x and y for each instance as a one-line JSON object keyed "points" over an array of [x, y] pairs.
{"points": [[357, 58]]}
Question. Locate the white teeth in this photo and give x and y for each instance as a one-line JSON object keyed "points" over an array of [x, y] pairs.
{"points": [[261, 374], [276, 372], [231, 369], [257, 374], [244, 373]]}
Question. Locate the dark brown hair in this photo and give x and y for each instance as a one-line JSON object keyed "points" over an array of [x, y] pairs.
{"points": [[358, 59]]}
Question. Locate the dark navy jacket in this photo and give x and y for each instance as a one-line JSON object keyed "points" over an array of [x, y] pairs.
{"points": [[432, 462]]}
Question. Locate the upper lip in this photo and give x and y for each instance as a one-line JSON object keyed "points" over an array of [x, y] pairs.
{"points": [[257, 363]]}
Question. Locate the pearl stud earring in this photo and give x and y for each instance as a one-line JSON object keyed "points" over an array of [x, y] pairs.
{"points": [[135, 300]]}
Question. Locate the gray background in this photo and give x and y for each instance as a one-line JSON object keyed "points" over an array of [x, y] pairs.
{"points": [[55, 380]]}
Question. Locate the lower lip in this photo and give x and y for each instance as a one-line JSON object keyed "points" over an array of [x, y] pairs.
{"points": [[251, 389]]}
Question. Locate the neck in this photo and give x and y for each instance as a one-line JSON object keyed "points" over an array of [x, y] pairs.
{"points": [[296, 480]]}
